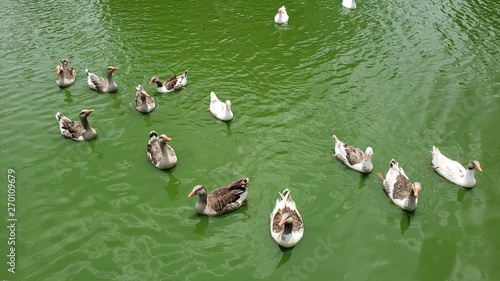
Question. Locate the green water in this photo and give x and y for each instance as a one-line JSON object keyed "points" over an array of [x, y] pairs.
{"points": [[399, 76]]}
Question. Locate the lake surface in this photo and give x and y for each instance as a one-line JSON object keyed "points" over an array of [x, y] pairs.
{"points": [[399, 76]]}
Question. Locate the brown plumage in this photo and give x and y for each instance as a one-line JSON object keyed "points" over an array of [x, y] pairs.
{"points": [[221, 200]]}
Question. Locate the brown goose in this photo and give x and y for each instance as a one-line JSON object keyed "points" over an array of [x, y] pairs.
{"points": [[66, 75], [100, 84], [168, 86], [287, 227], [77, 131], [399, 188], [353, 157], [221, 200], [159, 152], [143, 102]]}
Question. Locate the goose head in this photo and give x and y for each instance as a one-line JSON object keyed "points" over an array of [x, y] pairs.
{"points": [[228, 105], [164, 138], [474, 165], [154, 80], [282, 10], [368, 153], [393, 165], [286, 218], [59, 69], [416, 188], [198, 190], [110, 70], [85, 113]]}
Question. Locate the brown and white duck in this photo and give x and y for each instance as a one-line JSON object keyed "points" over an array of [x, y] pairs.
{"points": [[174, 83], [353, 157], [399, 188], [66, 75], [143, 102], [101, 84], [221, 200], [287, 226], [77, 131], [159, 152]]}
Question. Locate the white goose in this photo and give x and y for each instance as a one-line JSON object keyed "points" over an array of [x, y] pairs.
{"points": [[66, 75], [101, 84], [221, 110], [143, 102], [174, 83], [287, 227], [454, 171], [399, 188], [353, 157], [160, 153], [77, 131], [221, 200], [349, 4], [281, 17]]}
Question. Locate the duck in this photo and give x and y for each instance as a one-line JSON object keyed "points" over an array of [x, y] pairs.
{"points": [[287, 226], [77, 131], [101, 84], [66, 75], [221, 110], [174, 83], [353, 157], [159, 153], [281, 17], [349, 4], [143, 102], [221, 200], [454, 171], [399, 188]]}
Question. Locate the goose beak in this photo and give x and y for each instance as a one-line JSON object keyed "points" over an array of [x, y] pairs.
{"points": [[415, 191], [282, 222], [191, 194], [59, 69], [165, 138], [478, 167], [88, 111]]}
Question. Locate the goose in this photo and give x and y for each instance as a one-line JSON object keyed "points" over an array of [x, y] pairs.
{"points": [[77, 131], [174, 83], [221, 200], [221, 110], [353, 157], [281, 17], [287, 227], [454, 171], [160, 154], [100, 84], [349, 4], [143, 102], [399, 188], [66, 75]]}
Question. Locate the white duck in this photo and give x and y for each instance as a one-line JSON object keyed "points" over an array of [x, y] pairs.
{"points": [[221, 110], [160, 153], [287, 227], [349, 4], [100, 84], [66, 75], [454, 171], [174, 83], [77, 131], [221, 200], [143, 102], [399, 188], [281, 17], [353, 157]]}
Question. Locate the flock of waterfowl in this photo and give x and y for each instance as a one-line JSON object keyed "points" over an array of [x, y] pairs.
{"points": [[286, 224]]}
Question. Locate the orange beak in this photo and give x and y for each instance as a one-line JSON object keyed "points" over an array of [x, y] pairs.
{"points": [[88, 111], [166, 138], [191, 194], [479, 168], [59, 69], [415, 191]]}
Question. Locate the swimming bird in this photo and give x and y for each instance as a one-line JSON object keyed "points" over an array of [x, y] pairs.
{"points": [[143, 102], [454, 171], [349, 4], [287, 226], [281, 17], [101, 84], [221, 110], [66, 75], [160, 154], [174, 83], [353, 157], [399, 188], [221, 200], [77, 131]]}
